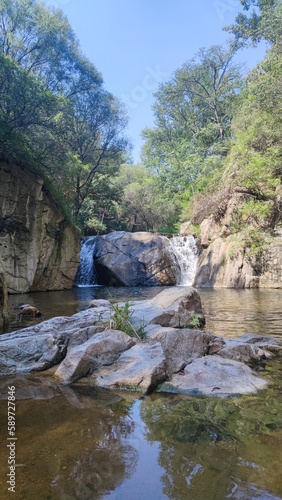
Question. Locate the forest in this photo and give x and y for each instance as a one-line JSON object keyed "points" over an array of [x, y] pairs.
{"points": [[215, 130]]}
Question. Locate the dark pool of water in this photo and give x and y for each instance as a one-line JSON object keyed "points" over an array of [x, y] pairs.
{"points": [[228, 312], [87, 444]]}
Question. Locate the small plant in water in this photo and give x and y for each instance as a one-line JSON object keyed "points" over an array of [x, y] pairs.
{"points": [[121, 320]]}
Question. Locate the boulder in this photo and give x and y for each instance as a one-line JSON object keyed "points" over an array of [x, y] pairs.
{"points": [[27, 354], [174, 307], [250, 349], [141, 367], [102, 349], [215, 376], [181, 346], [38, 347], [39, 248], [134, 259]]}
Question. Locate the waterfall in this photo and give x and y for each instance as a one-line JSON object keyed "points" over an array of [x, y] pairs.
{"points": [[86, 274], [185, 253]]}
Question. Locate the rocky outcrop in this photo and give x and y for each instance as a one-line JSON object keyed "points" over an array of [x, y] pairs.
{"points": [[189, 361], [233, 259], [141, 367], [3, 297], [101, 349], [39, 249], [134, 259]]}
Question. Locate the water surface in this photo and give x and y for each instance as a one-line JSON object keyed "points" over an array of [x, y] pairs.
{"points": [[229, 312]]}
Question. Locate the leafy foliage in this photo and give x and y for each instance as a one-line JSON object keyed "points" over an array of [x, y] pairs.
{"points": [[193, 114], [56, 117]]}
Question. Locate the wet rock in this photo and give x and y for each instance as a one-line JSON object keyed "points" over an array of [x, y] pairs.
{"points": [[181, 346], [3, 297], [141, 367], [134, 259], [102, 349], [215, 376]]}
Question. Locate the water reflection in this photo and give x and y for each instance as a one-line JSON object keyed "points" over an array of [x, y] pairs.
{"points": [[68, 450], [229, 312], [86, 443]]}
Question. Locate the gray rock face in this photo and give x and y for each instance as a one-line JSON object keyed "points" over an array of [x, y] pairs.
{"points": [[215, 376], [250, 349], [134, 259], [224, 261], [29, 354], [142, 367], [175, 307], [3, 297], [102, 349], [181, 346], [39, 249]]}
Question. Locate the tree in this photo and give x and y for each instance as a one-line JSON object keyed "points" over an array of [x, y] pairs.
{"points": [[56, 117], [264, 21], [193, 114]]}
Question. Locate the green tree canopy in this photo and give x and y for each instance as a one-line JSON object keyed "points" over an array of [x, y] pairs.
{"points": [[193, 113]]}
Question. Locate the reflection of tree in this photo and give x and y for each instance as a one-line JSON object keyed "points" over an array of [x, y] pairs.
{"points": [[74, 447], [209, 447]]}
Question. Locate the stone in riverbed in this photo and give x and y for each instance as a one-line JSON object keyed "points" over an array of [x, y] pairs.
{"points": [[174, 307], [181, 346], [102, 349], [141, 367], [215, 376], [27, 354]]}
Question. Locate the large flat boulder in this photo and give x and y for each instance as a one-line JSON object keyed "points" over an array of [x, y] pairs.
{"points": [[215, 376], [102, 349], [134, 259], [141, 367]]}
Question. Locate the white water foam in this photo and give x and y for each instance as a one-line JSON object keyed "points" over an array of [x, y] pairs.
{"points": [[86, 273], [185, 253]]}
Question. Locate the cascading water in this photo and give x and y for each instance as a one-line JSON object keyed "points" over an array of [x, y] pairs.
{"points": [[86, 274], [185, 254]]}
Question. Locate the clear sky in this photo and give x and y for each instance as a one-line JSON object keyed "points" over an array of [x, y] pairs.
{"points": [[137, 44]]}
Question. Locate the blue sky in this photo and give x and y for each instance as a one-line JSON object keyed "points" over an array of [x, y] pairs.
{"points": [[137, 44]]}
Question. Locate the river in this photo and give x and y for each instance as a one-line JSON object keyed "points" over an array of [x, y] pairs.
{"points": [[229, 312], [87, 444]]}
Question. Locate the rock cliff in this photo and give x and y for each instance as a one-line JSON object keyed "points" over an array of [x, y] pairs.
{"points": [[39, 249], [246, 258]]}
